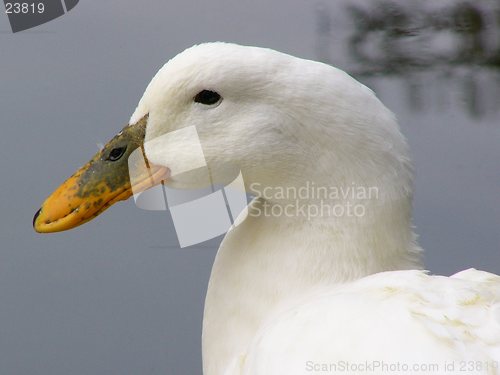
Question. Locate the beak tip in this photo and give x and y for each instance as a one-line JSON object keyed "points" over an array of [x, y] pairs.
{"points": [[36, 217]]}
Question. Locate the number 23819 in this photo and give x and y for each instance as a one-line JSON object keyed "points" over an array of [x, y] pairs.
{"points": [[24, 8]]}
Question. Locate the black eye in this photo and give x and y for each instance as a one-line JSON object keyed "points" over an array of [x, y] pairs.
{"points": [[116, 153], [207, 97]]}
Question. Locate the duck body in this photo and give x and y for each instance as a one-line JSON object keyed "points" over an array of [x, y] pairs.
{"points": [[266, 265], [290, 292], [398, 321]]}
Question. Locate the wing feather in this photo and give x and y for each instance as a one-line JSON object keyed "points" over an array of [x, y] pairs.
{"points": [[400, 322]]}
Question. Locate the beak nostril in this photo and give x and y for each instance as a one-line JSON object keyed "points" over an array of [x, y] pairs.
{"points": [[36, 216]]}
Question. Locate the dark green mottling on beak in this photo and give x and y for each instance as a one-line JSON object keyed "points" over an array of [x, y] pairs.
{"points": [[100, 183]]}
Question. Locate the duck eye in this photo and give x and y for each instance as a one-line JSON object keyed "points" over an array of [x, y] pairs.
{"points": [[116, 153], [207, 97]]}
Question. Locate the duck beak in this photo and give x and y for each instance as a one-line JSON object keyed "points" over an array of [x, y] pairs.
{"points": [[100, 183]]}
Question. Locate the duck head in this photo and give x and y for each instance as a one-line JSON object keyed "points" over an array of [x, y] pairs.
{"points": [[280, 120]]}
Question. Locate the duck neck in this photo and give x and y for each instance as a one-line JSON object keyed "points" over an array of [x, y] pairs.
{"points": [[273, 257]]}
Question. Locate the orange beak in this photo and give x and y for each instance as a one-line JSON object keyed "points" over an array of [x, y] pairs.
{"points": [[100, 183]]}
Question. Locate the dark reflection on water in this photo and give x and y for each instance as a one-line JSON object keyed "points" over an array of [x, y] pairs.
{"points": [[455, 43]]}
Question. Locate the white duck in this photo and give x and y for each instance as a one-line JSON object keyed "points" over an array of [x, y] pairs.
{"points": [[291, 294]]}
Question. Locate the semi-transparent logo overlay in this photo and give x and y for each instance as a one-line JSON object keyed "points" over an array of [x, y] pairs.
{"points": [[25, 15], [202, 209], [198, 214]]}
